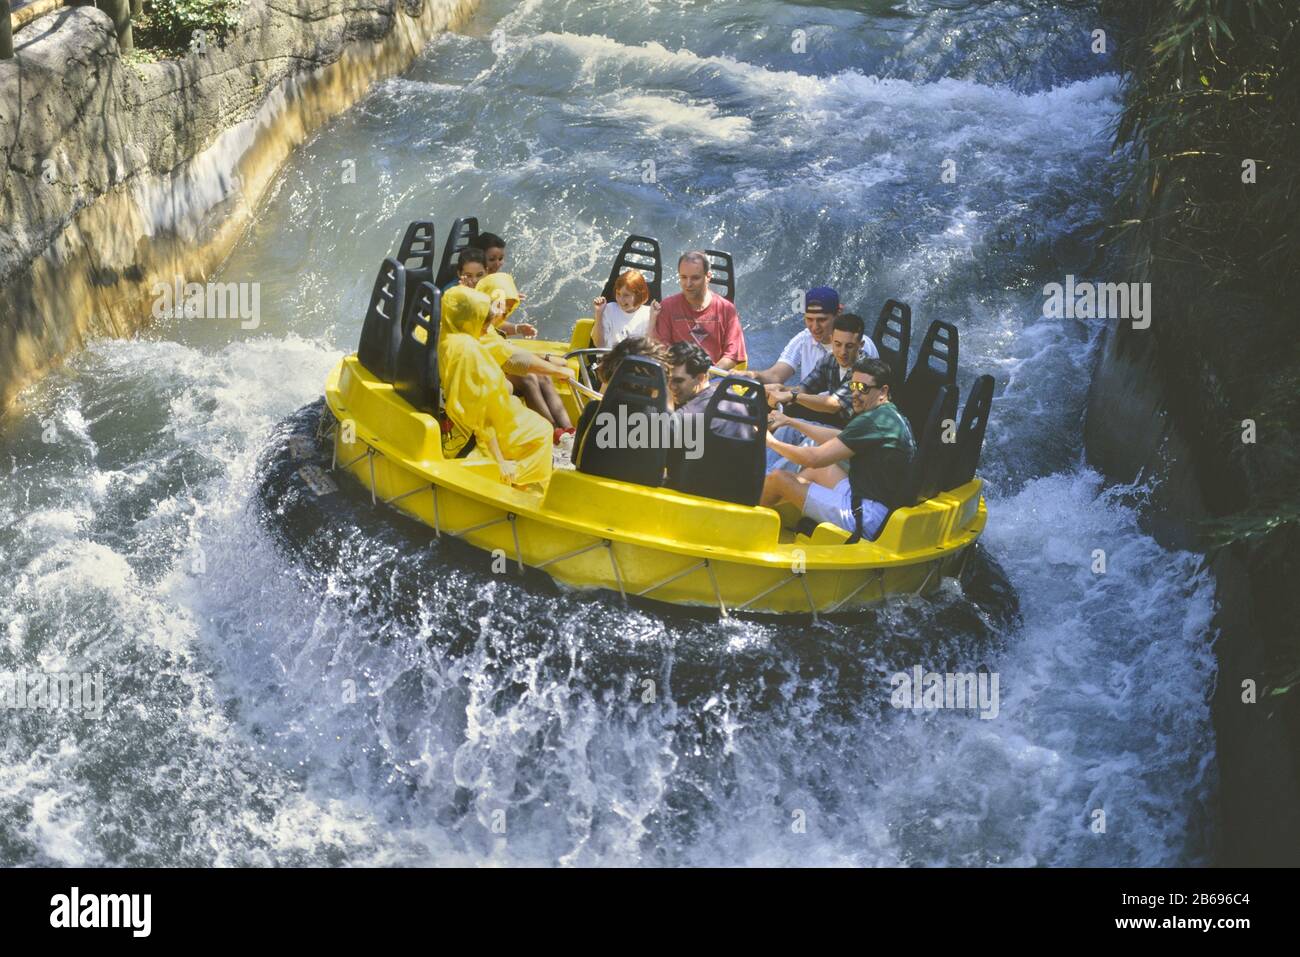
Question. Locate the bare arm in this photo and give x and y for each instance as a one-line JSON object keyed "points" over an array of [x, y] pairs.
{"points": [[777, 373], [597, 330], [810, 456], [527, 330], [521, 363], [825, 402], [818, 433], [817, 401], [508, 468]]}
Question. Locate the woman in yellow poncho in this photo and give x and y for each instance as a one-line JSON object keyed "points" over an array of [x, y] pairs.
{"points": [[477, 397], [529, 373]]}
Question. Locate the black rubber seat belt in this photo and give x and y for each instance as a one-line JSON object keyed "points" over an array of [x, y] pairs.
{"points": [[857, 523]]}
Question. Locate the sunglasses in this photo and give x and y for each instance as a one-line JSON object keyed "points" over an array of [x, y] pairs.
{"points": [[856, 386]]}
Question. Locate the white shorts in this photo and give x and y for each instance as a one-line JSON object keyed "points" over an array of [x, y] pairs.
{"points": [[835, 505]]}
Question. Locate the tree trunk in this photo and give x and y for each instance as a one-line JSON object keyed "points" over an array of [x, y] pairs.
{"points": [[120, 12], [6, 32]]}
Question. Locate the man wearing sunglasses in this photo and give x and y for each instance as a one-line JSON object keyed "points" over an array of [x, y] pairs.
{"points": [[875, 448]]}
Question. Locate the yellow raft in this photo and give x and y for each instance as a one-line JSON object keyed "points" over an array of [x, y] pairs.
{"points": [[592, 532]]}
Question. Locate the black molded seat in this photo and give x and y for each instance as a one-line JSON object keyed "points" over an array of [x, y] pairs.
{"points": [[723, 267], [416, 380], [463, 233], [640, 388], [582, 427], [970, 433], [381, 331], [933, 454], [936, 366], [893, 338], [417, 254], [638, 252], [734, 447]]}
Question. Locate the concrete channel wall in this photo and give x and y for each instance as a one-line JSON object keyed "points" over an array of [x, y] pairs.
{"points": [[117, 176]]}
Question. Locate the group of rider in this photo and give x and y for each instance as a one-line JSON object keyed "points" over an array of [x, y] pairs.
{"points": [[838, 448]]}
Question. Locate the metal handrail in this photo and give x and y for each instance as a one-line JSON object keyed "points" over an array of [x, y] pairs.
{"points": [[583, 368]]}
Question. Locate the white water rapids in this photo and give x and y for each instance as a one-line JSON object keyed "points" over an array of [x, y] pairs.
{"points": [[481, 727]]}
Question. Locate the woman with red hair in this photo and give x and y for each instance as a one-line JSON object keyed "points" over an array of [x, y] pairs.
{"points": [[628, 315]]}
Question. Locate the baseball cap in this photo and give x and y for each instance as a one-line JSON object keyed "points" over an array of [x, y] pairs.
{"points": [[822, 297]]}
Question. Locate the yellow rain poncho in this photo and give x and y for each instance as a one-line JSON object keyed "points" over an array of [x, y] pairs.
{"points": [[477, 396], [500, 289]]}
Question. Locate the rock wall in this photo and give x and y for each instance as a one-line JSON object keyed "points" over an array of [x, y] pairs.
{"points": [[117, 176], [1131, 431]]}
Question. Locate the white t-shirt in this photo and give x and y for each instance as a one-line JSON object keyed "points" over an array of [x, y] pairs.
{"points": [[617, 325], [803, 352]]}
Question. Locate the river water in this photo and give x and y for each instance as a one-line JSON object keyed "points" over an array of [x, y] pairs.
{"points": [[410, 707]]}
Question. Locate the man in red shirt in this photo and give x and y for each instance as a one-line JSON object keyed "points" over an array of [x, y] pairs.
{"points": [[699, 315]]}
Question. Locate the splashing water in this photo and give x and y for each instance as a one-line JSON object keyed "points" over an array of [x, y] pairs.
{"points": [[403, 704]]}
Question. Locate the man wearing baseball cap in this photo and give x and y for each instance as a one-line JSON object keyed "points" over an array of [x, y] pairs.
{"points": [[810, 344], [802, 355]]}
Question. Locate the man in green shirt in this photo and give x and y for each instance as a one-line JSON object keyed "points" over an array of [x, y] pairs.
{"points": [[875, 448]]}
